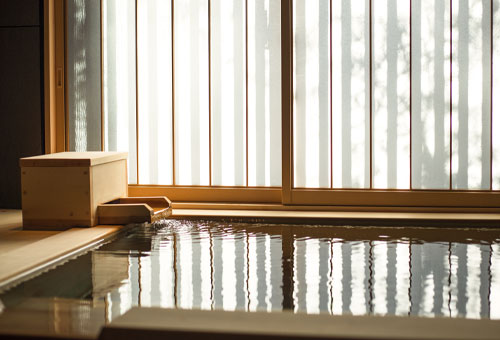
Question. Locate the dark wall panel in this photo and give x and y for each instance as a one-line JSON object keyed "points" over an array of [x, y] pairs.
{"points": [[19, 13], [21, 124]]}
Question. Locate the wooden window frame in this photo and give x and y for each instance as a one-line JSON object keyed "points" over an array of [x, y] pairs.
{"points": [[321, 199], [426, 200]]}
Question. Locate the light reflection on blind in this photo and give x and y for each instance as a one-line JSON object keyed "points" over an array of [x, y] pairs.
{"points": [[154, 53], [191, 92], [264, 92], [228, 92], [496, 94], [119, 83], [311, 94], [83, 73]]}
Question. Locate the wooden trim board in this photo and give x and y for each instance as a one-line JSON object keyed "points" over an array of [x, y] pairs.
{"points": [[122, 213], [25, 259], [209, 194], [10, 219], [338, 208], [157, 323], [72, 159], [348, 217]]}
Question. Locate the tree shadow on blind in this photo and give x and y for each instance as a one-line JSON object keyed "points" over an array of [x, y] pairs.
{"points": [[471, 98], [430, 95], [84, 85]]}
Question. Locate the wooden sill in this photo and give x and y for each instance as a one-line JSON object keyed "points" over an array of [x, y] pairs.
{"points": [[485, 217], [157, 323]]}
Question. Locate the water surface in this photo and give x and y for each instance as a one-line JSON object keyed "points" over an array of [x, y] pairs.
{"points": [[270, 267]]}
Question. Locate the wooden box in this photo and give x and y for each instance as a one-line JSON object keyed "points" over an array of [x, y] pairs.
{"points": [[64, 189]]}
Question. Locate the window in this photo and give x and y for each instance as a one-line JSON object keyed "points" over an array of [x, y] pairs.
{"points": [[191, 89], [337, 102]]}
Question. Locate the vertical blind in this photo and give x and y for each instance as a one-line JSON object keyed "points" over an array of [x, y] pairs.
{"points": [[395, 94], [83, 73], [386, 94], [191, 89]]}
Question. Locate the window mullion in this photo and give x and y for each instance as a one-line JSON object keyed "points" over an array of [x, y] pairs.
{"points": [[286, 100]]}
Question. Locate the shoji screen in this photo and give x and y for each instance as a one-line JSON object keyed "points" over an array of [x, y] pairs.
{"points": [[191, 89], [119, 79], [311, 93], [264, 92], [391, 94], [471, 91], [191, 86], [83, 75], [154, 55], [395, 94], [228, 92], [496, 94], [431, 76]]}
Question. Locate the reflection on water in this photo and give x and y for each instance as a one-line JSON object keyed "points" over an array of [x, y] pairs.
{"points": [[244, 266]]}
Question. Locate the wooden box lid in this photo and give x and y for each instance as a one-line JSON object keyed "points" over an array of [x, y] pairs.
{"points": [[72, 159]]}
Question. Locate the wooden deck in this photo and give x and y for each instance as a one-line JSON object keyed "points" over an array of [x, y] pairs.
{"points": [[23, 251]]}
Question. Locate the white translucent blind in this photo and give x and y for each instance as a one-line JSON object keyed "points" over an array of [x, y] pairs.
{"points": [[311, 94], [471, 94], [356, 109], [191, 92], [228, 92], [331, 114], [264, 92], [350, 94], [409, 107], [83, 75], [194, 98], [430, 94], [119, 81], [391, 93], [154, 52], [496, 95]]}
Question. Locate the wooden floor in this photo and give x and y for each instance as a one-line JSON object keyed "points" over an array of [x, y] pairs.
{"points": [[24, 251], [12, 235]]}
